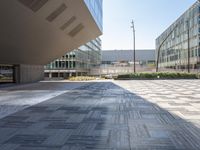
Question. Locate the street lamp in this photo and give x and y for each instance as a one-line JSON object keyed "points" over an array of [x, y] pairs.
{"points": [[133, 44]]}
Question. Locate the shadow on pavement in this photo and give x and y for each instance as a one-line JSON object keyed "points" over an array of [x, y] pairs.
{"points": [[96, 116], [42, 86]]}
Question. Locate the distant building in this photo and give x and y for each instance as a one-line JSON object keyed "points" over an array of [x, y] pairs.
{"points": [[121, 61], [76, 63], [174, 51], [125, 57]]}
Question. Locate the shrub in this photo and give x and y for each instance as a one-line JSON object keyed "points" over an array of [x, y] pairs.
{"points": [[159, 75], [82, 78], [1, 76]]}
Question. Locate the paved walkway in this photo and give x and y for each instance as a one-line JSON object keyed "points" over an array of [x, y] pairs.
{"points": [[18, 97], [119, 115]]}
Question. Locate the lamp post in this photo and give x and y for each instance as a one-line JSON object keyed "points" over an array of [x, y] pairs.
{"points": [[133, 45]]}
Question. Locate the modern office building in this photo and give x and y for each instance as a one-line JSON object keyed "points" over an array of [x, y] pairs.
{"points": [[77, 62], [180, 43], [36, 32], [121, 61]]}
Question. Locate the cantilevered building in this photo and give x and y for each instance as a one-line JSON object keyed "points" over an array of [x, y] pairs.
{"points": [[36, 32], [180, 43]]}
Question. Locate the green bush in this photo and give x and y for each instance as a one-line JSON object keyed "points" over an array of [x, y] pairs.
{"points": [[159, 75], [1, 76], [82, 78]]}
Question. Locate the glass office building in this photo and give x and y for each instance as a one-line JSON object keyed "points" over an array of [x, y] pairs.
{"points": [[77, 62], [180, 39], [95, 7]]}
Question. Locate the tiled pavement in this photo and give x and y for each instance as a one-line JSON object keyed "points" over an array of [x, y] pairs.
{"points": [[14, 98], [119, 115]]}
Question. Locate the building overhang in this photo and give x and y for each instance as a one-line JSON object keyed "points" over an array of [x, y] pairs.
{"points": [[39, 33]]}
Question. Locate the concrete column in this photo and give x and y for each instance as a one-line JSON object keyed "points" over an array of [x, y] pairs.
{"points": [[25, 73], [50, 75], [16, 74]]}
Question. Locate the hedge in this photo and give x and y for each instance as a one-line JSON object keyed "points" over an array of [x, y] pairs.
{"points": [[82, 78], [159, 75]]}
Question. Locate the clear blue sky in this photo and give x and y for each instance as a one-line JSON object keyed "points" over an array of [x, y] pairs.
{"points": [[151, 18]]}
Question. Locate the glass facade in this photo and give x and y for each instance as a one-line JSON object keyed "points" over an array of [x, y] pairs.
{"points": [[95, 7], [6, 73], [174, 51], [76, 62]]}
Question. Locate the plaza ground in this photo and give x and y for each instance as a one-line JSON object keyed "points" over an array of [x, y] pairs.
{"points": [[95, 115]]}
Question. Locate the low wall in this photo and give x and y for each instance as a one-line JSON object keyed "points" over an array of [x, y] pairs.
{"points": [[120, 70]]}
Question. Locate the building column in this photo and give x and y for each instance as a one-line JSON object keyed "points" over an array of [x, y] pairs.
{"points": [[50, 75], [16, 74], [24, 73]]}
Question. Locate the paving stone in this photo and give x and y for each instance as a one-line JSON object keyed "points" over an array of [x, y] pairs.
{"points": [[27, 139], [33, 147], [59, 138], [62, 125], [15, 124], [9, 147]]}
